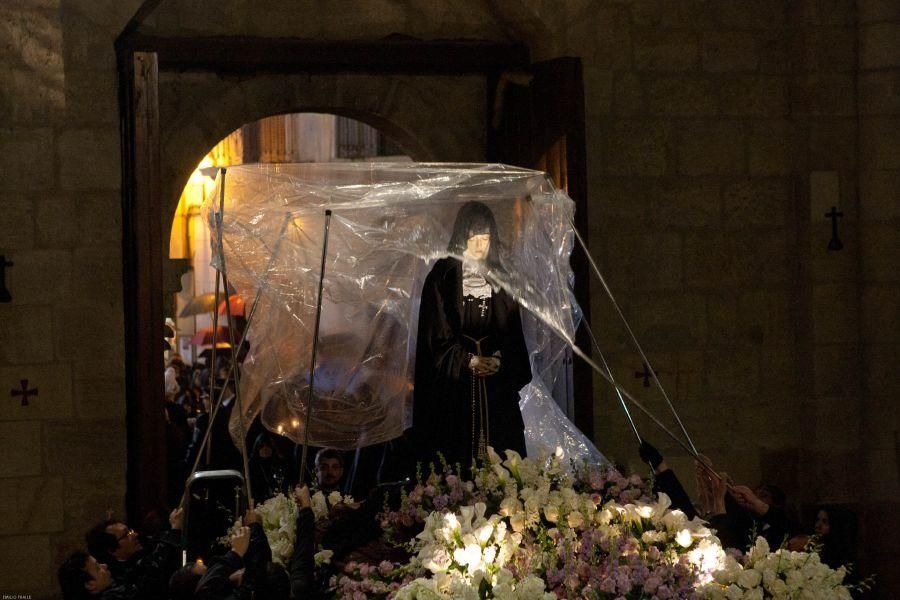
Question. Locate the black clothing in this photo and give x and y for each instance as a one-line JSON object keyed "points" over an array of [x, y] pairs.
{"points": [[448, 413], [148, 572], [215, 584], [667, 483], [302, 567]]}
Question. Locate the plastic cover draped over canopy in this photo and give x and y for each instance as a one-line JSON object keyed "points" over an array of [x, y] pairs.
{"points": [[390, 223]]}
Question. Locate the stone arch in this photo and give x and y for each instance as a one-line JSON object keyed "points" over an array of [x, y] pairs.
{"points": [[430, 117]]}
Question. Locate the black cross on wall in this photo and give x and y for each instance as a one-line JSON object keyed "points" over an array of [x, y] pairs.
{"points": [[24, 392], [646, 374], [835, 242]]}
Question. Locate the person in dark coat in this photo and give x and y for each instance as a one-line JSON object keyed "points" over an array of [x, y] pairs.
{"points": [[471, 359]]}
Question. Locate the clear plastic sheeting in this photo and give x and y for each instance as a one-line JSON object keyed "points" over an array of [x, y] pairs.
{"points": [[390, 223]]}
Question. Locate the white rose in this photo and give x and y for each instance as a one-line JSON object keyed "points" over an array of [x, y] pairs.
{"points": [[683, 538], [551, 512], [749, 579], [575, 520]]}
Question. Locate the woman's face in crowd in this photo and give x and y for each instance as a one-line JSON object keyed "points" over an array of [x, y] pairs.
{"points": [[822, 524], [477, 246]]}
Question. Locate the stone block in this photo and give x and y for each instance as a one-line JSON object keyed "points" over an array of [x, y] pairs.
{"points": [[879, 369], [90, 497], [628, 95], [54, 397], [53, 221], [89, 159], [97, 447], [644, 261], [665, 50], [769, 147], [684, 203], [878, 195], [837, 423], [29, 560], [99, 219], [601, 33], [26, 159], [16, 223], [97, 277], [715, 261], [77, 336], [26, 334], [40, 276], [598, 91], [91, 98], [32, 505], [672, 323], [879, 93], [764, 318], [775, 54], [681, 96], [878, 47], [835, 313], [871, 11], [831, 49], [836, 371], [881, 319], [880, 142], [622, 203], [824, 95], [880, 253], [763, 14], [754, 95], [100, 398], [832, 145], [638, 148], [711, 148], [729, 51], [26, 99], [731, 370], [753, 202], [722, 318], [20, 449]]}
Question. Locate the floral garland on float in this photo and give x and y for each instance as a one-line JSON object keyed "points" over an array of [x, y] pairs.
{"points": [[536, 529]]}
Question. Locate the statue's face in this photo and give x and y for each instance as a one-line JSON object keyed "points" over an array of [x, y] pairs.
{"points": [[477, 246]]}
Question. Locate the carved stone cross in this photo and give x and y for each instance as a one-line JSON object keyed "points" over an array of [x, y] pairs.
{"points": [[834, 215], [5, 296], [24, 392], [646, 374]]}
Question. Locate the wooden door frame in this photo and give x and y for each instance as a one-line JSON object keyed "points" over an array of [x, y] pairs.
{"points": [[140, 60]]}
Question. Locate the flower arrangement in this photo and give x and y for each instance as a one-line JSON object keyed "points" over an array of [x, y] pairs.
{"points": [[543, 528], [778, 575], [278, 517]]}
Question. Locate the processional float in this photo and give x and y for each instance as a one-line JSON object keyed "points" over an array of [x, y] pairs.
{"points": [[331, 349]]}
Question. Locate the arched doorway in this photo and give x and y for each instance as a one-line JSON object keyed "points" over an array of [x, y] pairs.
{"points": [[197, 344], [450, 101]]}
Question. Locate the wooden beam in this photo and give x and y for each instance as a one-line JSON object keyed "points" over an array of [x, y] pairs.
{"points": [[142, 281], [243, 54]]}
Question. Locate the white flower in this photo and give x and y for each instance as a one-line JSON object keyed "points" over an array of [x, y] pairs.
{"points": [[684, 539], [323, 557]]}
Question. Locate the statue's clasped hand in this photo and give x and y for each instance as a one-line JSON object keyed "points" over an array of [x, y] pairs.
{"points": [[484, 366]]}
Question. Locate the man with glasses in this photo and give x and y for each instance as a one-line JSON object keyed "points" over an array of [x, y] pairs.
{"points": [[119, 547]]}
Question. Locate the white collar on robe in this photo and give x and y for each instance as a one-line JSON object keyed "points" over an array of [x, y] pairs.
{"points": [[473, 282]]}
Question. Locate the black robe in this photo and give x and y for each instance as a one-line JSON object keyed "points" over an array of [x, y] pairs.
{"points": [[443, 408]]}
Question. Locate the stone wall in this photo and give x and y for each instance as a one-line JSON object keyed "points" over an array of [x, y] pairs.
{"points": [[62, 457], [719, 133]]}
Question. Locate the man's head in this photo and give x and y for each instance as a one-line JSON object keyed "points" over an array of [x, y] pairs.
{"points": [[329, 468], [771, 495], [81, 576], [183, 582], [112, 540]]}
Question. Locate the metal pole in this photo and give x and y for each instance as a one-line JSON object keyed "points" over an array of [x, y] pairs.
{"points": [[631, 333], [220, 224], [315, 347]]}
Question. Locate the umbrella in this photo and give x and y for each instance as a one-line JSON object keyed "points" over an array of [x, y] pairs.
{"points": [[205, 337], [238, 306], [198, 305]]}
